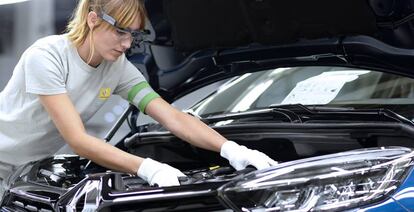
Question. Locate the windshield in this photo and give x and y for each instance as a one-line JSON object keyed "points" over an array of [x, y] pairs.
{"points": [[307, 86]]}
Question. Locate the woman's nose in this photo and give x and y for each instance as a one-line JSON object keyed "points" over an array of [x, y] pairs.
{"points": [[126, 44]]}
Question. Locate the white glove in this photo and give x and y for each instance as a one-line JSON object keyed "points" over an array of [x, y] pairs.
{"points": [[240, 156], [158, 173]]}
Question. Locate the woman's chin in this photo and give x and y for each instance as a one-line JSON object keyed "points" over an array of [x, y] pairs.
{"points": [[113, 57]]}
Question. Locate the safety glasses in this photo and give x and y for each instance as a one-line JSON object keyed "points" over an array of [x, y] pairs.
{"points": [[135, 36]]}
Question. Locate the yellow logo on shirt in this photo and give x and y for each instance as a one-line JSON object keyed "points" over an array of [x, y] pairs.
{"points": [[104, 93]]}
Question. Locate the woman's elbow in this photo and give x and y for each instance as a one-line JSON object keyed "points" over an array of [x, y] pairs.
{"points": [[78, 144]]}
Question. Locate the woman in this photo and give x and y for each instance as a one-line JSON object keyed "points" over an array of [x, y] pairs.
{"points": [[58, 84]]}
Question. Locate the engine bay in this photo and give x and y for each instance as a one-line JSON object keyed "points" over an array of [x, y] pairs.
{"points": [[203, 166], [65, 171]]}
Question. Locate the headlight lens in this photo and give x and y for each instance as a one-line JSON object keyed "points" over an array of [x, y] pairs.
{"points": [[326, 183]]}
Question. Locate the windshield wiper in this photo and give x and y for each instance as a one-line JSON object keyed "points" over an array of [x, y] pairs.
{"points": [[192, 113], [393, 115], [275, 112], [311, 108], [298, 113], [317, 57], [329, 110]]}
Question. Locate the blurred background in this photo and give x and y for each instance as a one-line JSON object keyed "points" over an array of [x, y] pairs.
{"points": [[23, 22]]}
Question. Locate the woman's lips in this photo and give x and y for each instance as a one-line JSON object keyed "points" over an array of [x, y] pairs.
{"points": [[118, 52]]}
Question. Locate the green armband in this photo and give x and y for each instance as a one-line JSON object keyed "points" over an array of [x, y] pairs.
{"points": [[141, 94]]}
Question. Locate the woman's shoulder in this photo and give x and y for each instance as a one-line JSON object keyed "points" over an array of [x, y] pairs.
{"points": [[53, 47], [52, 42]]}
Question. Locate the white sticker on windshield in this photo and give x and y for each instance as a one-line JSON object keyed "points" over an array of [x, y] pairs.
{"points": [[321, 89]]}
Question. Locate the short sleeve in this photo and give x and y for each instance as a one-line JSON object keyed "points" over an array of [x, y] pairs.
{"points": [[43, 73], [134, 88]]}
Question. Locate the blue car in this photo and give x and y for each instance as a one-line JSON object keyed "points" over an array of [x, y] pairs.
{"points": [[324, 87]]}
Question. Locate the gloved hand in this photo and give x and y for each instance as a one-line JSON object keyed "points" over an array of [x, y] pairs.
{"points": [[158, 173], [240, 156]]}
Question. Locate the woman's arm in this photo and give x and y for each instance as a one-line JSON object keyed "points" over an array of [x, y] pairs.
{"points": [[199, 134], [185, 126], [70, 126]]}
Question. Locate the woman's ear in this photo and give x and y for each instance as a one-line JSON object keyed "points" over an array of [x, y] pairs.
{"points": [[92, 19]]}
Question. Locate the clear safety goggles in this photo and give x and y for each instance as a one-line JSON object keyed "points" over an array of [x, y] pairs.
{"points": [[135, 36]]}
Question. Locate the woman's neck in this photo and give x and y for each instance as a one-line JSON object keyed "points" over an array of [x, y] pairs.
{"points": [[84, 51]]}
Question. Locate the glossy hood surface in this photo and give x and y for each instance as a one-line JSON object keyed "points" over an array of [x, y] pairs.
{"points": [[196, 42]]}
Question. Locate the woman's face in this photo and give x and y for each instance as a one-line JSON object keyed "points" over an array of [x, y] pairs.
{"points": [[110, 44]]}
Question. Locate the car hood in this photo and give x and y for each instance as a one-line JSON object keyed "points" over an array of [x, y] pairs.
{"points": [[196, 42]]}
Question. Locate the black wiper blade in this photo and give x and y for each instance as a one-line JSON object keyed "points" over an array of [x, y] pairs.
{"points": [[395, 116], [298, 113], [317, 57], [311, 108], [329, 110], [275, 112]]}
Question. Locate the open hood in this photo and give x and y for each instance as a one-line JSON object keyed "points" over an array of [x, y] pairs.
{"points": [[195, 42]]}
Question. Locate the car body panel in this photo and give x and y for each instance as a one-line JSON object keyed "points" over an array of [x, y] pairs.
{"points": [[401, 200], [405, 193]]}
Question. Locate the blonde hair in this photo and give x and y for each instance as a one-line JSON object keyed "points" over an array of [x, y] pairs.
{"points": [[123, 11]]}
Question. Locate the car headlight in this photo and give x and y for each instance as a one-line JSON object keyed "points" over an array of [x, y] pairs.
{"points": [[325, 183]]}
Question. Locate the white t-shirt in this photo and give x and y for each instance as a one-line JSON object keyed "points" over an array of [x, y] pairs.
{"points": [[51, 66]]}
